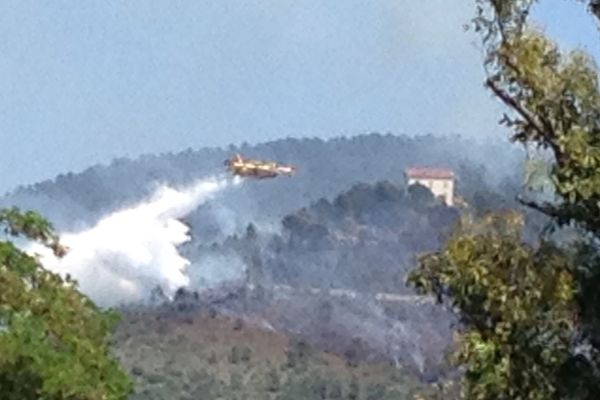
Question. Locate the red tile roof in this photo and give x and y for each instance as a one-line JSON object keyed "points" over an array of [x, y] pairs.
{"points": [[429, 173]]}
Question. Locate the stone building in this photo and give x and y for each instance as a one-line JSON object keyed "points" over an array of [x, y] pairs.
{"points": [[439, 180]]}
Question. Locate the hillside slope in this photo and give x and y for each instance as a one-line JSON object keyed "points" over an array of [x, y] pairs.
{"points": [[205, 355], [364, 239], [324, 169]]}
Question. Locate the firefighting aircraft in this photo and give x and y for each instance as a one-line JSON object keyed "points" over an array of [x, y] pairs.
{"points": [[257, 168]]}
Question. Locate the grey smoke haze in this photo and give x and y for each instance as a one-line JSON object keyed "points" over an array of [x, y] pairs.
{"points": [[325, 169], [332, 225], [211, 270], [77, 202]]}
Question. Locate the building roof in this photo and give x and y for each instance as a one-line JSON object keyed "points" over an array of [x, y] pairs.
{"points": [[429, 173]]}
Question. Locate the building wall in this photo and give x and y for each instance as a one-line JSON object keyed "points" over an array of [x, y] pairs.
{"points": [[439, 187]]}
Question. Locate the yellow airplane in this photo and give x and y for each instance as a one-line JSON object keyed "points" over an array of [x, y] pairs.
{"points": [[257, 168]]}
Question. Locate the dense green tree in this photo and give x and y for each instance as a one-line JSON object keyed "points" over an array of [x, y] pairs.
{"points": [[554, 104], [530, 313], [516, 304], [53, 339]]}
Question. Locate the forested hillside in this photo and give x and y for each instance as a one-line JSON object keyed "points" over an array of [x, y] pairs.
{"points": [[346, 221], [325, 168], [362, 240]]}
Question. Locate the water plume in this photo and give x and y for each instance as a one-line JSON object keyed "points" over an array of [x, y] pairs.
{"points": [[131, 251]]}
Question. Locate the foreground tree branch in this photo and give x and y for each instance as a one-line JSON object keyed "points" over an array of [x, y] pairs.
{"points": [[545, 132]]}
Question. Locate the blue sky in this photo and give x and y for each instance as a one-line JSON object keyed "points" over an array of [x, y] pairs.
{"points": [[82, 82]]}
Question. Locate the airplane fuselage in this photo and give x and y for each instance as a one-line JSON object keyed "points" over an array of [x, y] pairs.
{"points": [[257, 169]]}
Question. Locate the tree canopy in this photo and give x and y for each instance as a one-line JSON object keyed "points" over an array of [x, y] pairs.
{"points": [[530, 312], [53, 339]]}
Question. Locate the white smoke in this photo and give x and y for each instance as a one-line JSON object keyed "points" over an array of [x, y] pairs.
{"points": [[131, 251]]}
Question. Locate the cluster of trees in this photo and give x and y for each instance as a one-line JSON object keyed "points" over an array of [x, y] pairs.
{"points": [[363, 240], [53, 340], [530, 312]]}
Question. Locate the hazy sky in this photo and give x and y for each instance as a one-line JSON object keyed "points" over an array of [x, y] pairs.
{"points": [[82, 82]]}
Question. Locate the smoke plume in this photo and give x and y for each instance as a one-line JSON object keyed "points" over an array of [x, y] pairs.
{"points": [[131, 251]]}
